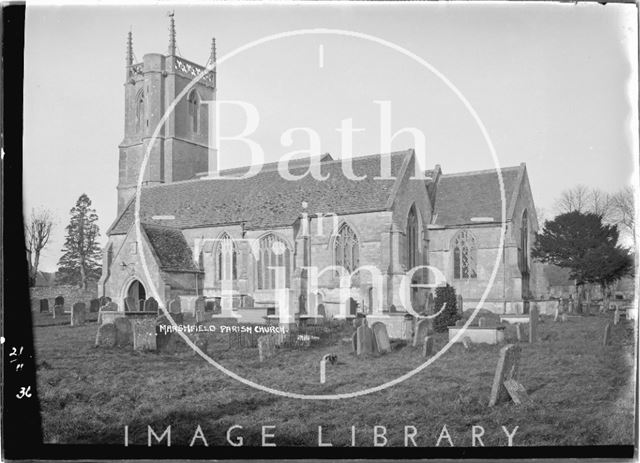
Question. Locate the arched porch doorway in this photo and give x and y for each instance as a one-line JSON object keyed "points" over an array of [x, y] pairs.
{"points": [[137, 293]]}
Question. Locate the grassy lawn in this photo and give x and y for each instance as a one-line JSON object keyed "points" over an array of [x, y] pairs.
{"points": [[582, 392]]}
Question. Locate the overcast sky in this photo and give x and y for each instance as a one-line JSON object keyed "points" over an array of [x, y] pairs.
{"points": [[550, 82]]}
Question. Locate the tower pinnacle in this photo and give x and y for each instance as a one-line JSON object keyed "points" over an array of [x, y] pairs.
{"points": [[213, 61], [129, 58], [172, 35]]}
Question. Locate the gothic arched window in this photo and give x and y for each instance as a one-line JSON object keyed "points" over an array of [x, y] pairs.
{"points": [[464, 255], [139, 111], [413, 239], [524, 243], [194, 110], [226, 259], [273, 252], [346, 252]]}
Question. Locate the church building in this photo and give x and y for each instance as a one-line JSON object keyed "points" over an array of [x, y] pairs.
{"points": [[263, 233]]}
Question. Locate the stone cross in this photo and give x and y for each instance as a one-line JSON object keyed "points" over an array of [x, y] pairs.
{"points": [[422, 329], [106, 335], [507, 368], [427, 346], [381, 337], [78, 314], [144, 334], [533, 324], [607, 335]]}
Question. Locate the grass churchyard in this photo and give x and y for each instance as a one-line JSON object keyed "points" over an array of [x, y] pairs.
{"points": [[578, 391]]}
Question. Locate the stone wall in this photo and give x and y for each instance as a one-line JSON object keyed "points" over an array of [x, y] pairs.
{"points": [[71, 294]]}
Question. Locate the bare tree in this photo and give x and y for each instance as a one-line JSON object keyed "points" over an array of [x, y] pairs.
{"points": [[574, 199], [600, 203], [624, 208], [37, 233]]}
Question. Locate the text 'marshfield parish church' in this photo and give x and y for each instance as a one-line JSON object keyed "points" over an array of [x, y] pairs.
{"points": [[197, 233]]}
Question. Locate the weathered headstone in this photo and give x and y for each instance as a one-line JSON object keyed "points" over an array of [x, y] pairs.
{"points": [[460, 322], [106, 336], [78, 314], [381, 337], [482, 322], [533, 324], [321, 311], [519, 332], [557, 314], [507, 368], [572, 305], [165, 341], [364, 340], [616, 316], [422, 329], [359, 320], [104, 300], [200, 316], [354, 342], [466, 342], [407, 327], [144, 334], [607, 335], [208, 306], [459, 302], [266, 347], [124, 332], [516, 391], [151, 305], [44, 305], [427, 346], [94, 305], [175, 306]]}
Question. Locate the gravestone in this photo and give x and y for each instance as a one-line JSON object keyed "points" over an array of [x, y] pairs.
{"points": [[200, 316], [266, 347], [556, 315], [106, 336], [175, 306], [607, 335], [201, 341], [616, 316], [199, 304], [44, 305], [94, 305], [321, 311], [364, 340], [208, 306], [519, 331], [459, 302], [422, 329], [427, 346], [516, 391], [381, 337], [144, 334], [124, 332], [109, 307], [104, 300], [572, 306], [407, 328], [563, 318], [359, 320], [507, 368], [130, 304], [482, 322], [78, 314], [460, 322], [151, 305], [354, 342], [165, 341], [466, 342], [533, 324]]}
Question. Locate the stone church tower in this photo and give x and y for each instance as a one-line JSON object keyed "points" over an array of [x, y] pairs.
{"points": [[180, 151]]}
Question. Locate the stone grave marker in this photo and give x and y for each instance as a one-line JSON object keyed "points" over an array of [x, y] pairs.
{"points": [[78, 314], [175, 306], [407, 327], [208, 306], [109, 307], [151, 305], [124, 332], [519, 331], [563, 318], [422, 329], [364, 340], [381, 337], [321, 311], [516, 391], [130, 304], [482, 322], [466, 342], [607, 335], [44, 305], [106, 336], [533, 324], [354, 342], [266, 347], [507, 368], [459, 302], [460, 322], [144, 334], [104, 300], [427, 346], [165, 341], [94, 305], [616, 316], [557, 314]]}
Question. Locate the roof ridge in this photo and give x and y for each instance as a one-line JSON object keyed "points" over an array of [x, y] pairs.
{"points": [[479, 172]]}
